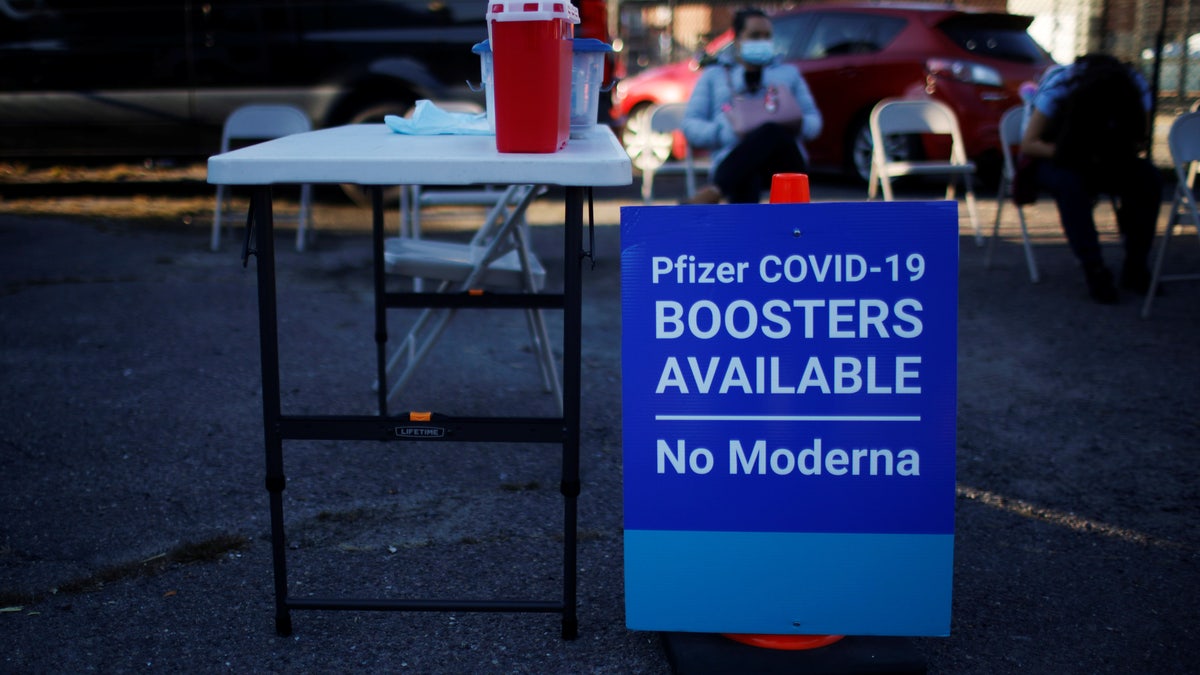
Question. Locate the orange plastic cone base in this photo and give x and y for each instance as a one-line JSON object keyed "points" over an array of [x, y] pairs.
{"points": [[786, 642]]}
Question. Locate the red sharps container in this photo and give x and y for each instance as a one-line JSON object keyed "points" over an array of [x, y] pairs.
{"points": [[531, 61]]}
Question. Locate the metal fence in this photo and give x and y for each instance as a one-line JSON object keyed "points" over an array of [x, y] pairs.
{"points": [[1134, 31]]}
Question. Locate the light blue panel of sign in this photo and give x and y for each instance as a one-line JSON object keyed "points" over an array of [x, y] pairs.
{"points": [[788, 583]]}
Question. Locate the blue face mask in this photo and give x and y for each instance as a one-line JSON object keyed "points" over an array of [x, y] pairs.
{"points": [[758, 52]]}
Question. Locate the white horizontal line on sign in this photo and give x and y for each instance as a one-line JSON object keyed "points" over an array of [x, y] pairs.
{"points": [[787, 418]]}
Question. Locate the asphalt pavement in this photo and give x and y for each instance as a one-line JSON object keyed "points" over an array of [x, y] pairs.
{"points": [[134, 528]]}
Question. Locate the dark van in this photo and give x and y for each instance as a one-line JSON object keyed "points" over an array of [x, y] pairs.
{"points": [[156, 78]]}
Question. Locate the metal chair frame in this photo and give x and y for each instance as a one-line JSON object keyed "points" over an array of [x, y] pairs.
{"points": [[1012, 124], [1184, 141], [498, 255], [894, 116], [667, 118], [263, 122]]}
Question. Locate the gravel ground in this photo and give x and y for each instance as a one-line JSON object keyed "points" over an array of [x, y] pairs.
{"points": [[133, 519]]}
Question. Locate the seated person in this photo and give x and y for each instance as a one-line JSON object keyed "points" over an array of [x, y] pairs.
{"points": [[742, 166], [1086, 132]]}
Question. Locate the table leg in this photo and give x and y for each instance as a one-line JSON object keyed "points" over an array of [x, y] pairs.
{"points": [[572, 349], [380, 296], [269, 348]]}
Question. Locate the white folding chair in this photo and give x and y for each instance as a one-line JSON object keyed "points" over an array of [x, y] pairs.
{"points": [[497, 256], [1011, 127], [261, 122], [415, 198], [666, 119], [1184, 141], [919, 116]]}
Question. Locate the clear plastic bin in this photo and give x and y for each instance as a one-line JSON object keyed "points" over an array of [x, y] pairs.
{"points": [[484, 50], [587, 81]]}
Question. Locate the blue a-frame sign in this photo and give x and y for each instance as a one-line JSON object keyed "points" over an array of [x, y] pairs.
{"points": [[789, 417]]}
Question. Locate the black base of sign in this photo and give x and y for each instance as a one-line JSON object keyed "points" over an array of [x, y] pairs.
{"points": [[708, 653]]}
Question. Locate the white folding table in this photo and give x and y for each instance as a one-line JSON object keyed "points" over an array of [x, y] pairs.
{"points": [[372, 156]]}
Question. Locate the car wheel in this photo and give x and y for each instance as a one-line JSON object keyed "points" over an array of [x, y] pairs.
{"points": [[647, 149], [374, 114], [860, 146]]}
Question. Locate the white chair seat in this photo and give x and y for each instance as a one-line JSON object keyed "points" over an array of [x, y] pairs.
{"points": [[903, 168], [454, 262]]}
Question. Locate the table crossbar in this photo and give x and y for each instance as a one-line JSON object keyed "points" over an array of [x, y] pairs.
{"points": [[416, 605], [471, 300], [440, 428]]}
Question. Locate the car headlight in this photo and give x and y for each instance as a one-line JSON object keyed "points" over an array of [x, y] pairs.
{"points": [[619, 92]]}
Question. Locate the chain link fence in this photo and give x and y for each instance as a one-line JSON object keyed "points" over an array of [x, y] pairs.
{"points": [[1129, 30]]}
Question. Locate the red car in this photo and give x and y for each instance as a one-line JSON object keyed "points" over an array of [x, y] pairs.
{"points": [[855, 54]]}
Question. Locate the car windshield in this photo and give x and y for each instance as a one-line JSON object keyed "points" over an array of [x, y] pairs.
{"points": [[997, 36]]}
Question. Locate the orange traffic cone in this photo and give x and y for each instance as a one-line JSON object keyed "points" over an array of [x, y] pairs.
{"points": [[789, 188]]}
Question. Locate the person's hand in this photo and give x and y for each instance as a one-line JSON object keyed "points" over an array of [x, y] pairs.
{"points": [[725, 131]]}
